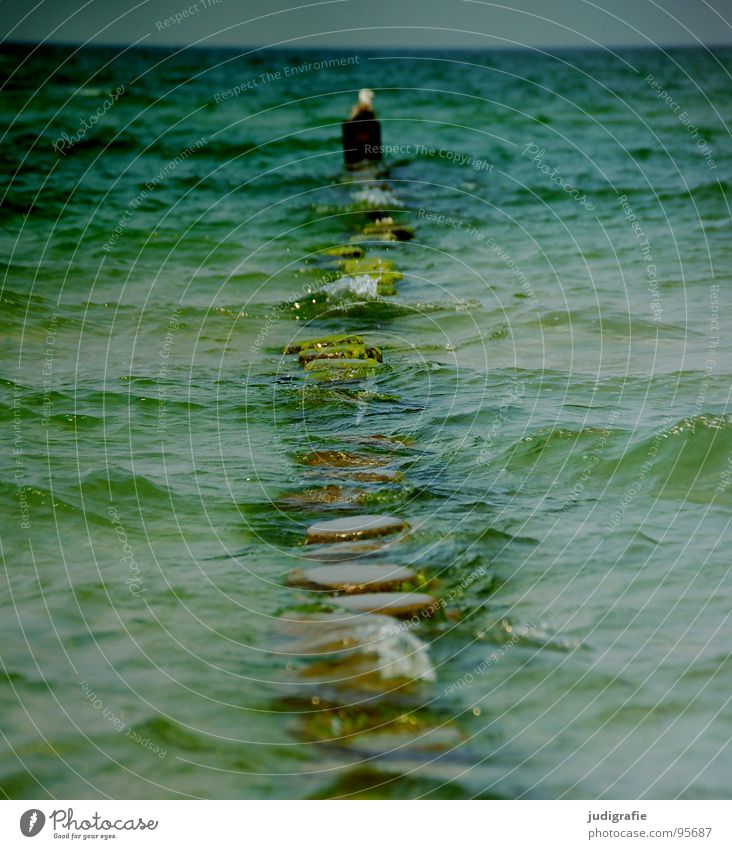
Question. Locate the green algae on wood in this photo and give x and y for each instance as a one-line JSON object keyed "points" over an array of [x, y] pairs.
{"points": [[325, 370], [369, 265], [345, 251], [380, 270], [324, 342], [341, 364], [340, 352], [343, 459], [354, 527], [330, 494], [334, 352], [375, 353], [387, 228]]}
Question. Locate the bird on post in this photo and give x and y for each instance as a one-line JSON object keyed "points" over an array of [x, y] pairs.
{"points": [[362, 132]]}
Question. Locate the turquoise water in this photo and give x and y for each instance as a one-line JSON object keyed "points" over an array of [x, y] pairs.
{"points": [[556, 390]]}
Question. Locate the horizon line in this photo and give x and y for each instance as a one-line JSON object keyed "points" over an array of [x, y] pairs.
{"points": [[379, 48]]}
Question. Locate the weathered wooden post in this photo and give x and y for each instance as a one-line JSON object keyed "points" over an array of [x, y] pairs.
{"points": [[362, 132]]}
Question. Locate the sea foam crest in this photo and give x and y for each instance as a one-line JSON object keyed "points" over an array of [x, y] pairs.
{"points": [[374, 196], [362, 285]]}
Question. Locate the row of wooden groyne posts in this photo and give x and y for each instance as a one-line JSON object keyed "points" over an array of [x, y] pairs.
{"points": [[365, 681]]}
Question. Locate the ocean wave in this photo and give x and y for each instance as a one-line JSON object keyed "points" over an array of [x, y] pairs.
{"points": [[688, 459]]}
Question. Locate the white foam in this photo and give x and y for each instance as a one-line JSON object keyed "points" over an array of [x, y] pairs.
{"points": [[402, 656], [377, 197], [362, 285], [398, 652]]}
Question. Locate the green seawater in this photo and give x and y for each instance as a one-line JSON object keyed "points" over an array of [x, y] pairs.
{"points": [[557, 374]]}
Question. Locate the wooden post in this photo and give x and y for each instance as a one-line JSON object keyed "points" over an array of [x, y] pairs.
{"points": [[362, 132]]}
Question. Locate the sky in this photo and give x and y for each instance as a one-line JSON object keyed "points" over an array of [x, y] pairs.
{"points": [[410, 24]]}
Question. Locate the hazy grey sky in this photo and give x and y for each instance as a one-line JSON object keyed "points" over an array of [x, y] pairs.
{"points": [[370, 23]]}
